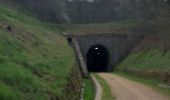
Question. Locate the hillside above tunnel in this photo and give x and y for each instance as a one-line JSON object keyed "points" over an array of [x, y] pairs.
{"points": [[122, 28]]}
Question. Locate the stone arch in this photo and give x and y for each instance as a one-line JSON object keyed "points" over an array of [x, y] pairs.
{"points": [[97, 58]]}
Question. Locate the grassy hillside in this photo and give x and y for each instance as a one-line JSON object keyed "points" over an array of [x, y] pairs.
{"points": [[35, 60], [153, 52], [120, 27], [154, 59], [151, 58]]}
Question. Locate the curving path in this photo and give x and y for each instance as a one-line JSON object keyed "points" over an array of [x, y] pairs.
{"points": [[124, 89]]}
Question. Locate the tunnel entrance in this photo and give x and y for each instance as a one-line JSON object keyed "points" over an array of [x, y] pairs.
{"points": [[97, 58]]}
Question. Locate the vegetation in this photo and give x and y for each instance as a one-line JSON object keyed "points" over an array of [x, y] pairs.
{"points": [[89, 90], [35, 60], [150, 60], [150, 82], [107, 94], [121, 27]]}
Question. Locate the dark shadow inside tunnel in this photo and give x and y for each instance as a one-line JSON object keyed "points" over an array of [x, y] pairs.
{"points": [[97, 58]]}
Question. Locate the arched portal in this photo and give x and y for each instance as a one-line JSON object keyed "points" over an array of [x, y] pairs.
{"points": [[97, 58]]}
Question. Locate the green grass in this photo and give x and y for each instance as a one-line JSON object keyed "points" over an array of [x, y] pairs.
{"points": [[121, 27], [35, 60], [154, 59], [149, 82], [107, 94], [89, 89]]}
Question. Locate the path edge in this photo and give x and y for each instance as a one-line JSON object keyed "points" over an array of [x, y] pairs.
{"points": [[98, 88]]}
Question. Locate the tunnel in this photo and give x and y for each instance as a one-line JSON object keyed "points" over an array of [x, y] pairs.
{"points": [[97, 58]]}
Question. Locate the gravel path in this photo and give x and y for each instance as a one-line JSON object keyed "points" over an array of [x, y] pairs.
{"points": [[124, 89]]}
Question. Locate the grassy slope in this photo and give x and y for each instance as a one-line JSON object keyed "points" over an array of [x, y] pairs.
{"points": [[153, 53], [150, 60], [121, 27], [154, 59], [35, 60], [149, 63]]}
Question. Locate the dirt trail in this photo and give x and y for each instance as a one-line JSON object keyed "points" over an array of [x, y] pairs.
{"points": [[124, 89]]}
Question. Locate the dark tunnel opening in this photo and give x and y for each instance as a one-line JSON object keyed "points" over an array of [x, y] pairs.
{"points": [[97, 58]]}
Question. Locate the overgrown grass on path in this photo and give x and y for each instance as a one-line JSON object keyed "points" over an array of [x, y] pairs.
{"points": [[107, 94], [149, 82]]}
